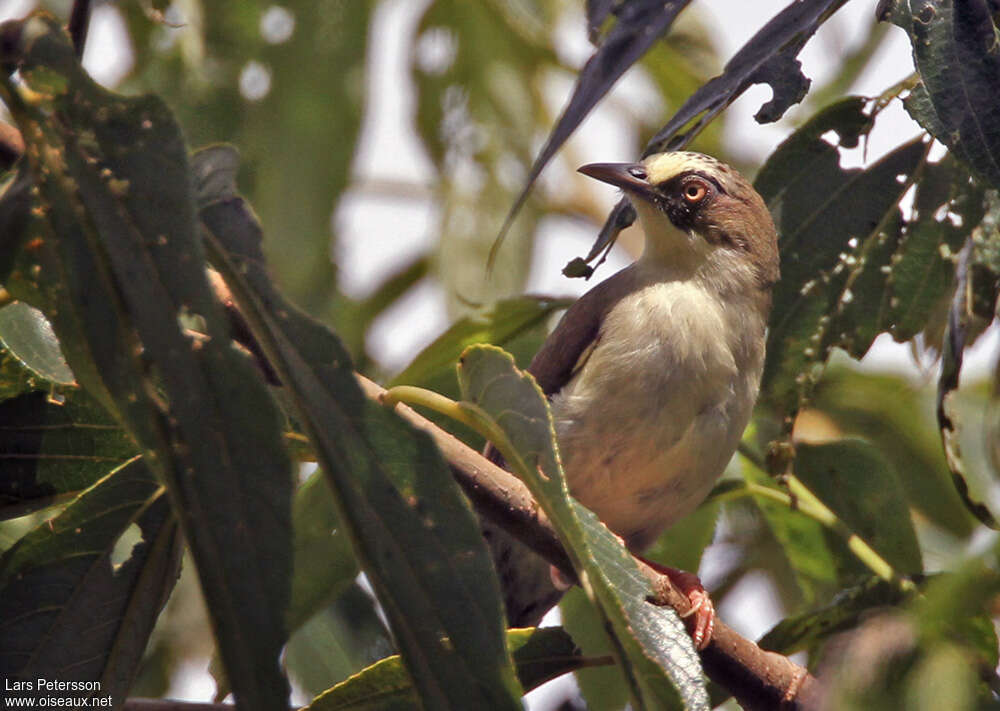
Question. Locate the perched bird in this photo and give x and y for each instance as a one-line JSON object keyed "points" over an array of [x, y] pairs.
{"points": [[652, 375]]}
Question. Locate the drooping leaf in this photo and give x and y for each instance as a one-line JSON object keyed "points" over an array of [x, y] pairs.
{"points": [[768, 57], [650, 642], [638, 25], [955, 51], [951, 367], [539, 655], [71, 611], [837, 228], [122, 275], [412, 530]]}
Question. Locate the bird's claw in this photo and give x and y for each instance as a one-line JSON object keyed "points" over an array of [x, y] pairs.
{"points": [[700, 618]]}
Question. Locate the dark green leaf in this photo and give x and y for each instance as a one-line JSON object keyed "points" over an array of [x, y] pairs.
{"points": [[836, 229], [859, 485], [539, 655], [891, 413], [122, 274], [956, 50], [651, 644], [768, 57], [52, 446], [411, 528], [72, 612], [805, 631], [639, 24]]}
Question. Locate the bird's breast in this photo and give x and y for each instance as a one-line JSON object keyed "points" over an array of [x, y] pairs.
{"points": [[652, 417]]}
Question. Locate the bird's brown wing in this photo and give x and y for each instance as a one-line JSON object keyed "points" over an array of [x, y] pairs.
{"points": [[528, 591], [570, 344]]}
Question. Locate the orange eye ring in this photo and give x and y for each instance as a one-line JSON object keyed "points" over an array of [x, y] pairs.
{"points": [[695, 191]]}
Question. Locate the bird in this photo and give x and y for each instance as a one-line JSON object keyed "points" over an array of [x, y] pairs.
{"points": [[653, 374]]}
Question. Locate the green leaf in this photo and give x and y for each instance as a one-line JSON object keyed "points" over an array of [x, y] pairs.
{"points": [[121, 276], [323, 562], [601, 687], [344, 638], [807, 630], [73, 612], [836, 227], [25, 333], [955, 53], [650, 642], [412, 530], [539, 655], [53, 446], [855, 480], [811, 555], [890, 412]]}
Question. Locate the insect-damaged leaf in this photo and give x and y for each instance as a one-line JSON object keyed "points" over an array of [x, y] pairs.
{"points": [[121, 278], [71, 611], [412, 530]]}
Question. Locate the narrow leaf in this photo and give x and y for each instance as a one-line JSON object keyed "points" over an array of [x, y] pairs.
{"points": [[71, 612], [412, 530], [123, 279], [951, 366], [52, 446], [539, 655]]}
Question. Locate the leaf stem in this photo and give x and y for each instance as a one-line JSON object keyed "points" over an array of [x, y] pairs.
{"points": [[800, 498]]}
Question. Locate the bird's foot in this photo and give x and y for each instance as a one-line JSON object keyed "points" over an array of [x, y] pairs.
{"points": [[700, 619]]}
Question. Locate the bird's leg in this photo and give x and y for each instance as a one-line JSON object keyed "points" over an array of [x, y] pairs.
{"points": [[700, 619]]}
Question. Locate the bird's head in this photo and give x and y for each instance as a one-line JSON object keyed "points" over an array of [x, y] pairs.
{"points": [[699, 214]]}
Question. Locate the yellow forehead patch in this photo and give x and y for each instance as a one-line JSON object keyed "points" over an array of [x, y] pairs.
{"points": [[663, 166]]}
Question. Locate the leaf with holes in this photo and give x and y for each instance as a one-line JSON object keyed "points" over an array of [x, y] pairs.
{"points": [[122, 280], [71, 611], [411, 528], [837, 229]]}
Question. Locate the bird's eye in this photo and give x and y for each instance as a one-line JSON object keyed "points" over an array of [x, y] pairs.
{"points": [[695, 191]]}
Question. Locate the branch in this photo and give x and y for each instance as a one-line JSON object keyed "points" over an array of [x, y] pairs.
{"points": [[756, 678]]}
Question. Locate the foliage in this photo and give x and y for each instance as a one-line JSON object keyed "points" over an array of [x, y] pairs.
{"points": [[167, 359]]}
